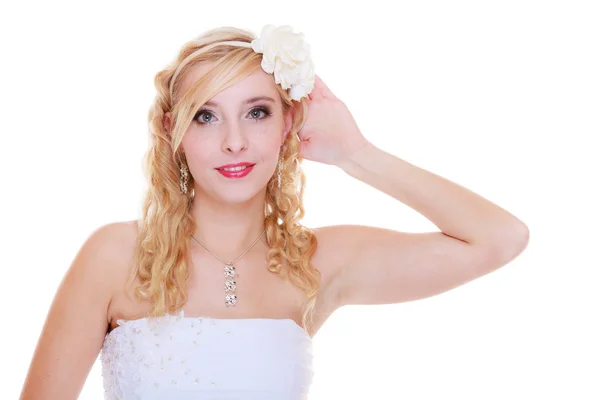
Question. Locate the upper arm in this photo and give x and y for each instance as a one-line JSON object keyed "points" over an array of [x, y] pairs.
{"points": [[381, 266], [77, 320]]}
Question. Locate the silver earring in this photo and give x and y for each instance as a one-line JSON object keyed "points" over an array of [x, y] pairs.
{"points": [[183, 178], [279, 167]]}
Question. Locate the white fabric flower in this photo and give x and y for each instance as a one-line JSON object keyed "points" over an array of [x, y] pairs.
{"points": [[287, 56]]}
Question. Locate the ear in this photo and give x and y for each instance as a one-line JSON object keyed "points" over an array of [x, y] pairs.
{"points": [[288, 119], [167, 122]]}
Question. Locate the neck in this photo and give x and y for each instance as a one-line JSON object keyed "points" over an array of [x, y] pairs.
{"points": [[228, 229]]}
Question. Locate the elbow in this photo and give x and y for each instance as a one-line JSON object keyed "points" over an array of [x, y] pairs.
{"points": [[512, 242]]}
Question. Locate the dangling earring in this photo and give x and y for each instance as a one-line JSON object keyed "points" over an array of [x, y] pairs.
{"points": [[279, 167], [183, 178]]}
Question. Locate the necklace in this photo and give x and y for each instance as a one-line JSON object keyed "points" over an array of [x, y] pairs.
{"points": [[229, 272]]}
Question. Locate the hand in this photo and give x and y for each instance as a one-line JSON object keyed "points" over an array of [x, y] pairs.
{"points": [[330, 134]]}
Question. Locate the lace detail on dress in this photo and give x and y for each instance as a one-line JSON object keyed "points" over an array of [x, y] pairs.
{"points": [[197, 357]]}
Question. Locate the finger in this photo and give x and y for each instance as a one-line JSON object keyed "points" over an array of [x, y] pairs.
{"points": [[321, 88], [301, 149], [316, 92], [299, 137], [304, 146]]}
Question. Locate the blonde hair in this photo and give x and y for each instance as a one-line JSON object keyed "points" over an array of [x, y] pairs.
{"points": [[161, 256]]}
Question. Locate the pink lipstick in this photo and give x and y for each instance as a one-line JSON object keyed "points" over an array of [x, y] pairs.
{"points": [[238, 170]]}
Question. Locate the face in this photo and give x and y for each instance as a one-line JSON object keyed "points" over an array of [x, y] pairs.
{"points": [[242, 124]]}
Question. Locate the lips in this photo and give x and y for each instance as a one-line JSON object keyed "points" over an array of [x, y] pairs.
{"points": [[242, 164], [236, 173]]}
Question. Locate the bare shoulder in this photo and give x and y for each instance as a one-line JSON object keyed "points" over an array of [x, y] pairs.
{"points": [[111, 248], [118, 240], [77, 321]]}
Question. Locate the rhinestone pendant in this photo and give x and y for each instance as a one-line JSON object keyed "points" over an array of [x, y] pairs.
{"points": [[230, 300], [229, 286], [230, 297]]}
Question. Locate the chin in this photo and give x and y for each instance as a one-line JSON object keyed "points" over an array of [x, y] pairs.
{"points": [[240, 197], [235, 190], [241, 194]]}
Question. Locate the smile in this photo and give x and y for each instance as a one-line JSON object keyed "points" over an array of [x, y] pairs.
{"points": [[236, 172]]}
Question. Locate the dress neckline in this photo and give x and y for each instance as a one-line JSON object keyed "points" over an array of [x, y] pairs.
{"points": [[180, 315]]}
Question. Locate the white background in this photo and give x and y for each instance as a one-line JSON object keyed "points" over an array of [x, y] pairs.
{"points": [[501, 97]]}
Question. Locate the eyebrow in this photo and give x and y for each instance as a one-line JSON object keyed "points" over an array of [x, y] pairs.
{"points": [[249, 101]]}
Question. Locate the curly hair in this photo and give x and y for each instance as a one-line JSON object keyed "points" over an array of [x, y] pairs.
{"points": [[161, 255]]}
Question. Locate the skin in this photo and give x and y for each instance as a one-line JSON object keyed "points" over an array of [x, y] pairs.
{"points": [[376, 266], [231, 210]]}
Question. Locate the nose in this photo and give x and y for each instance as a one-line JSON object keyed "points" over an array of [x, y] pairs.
{"points": [[234, 139]]}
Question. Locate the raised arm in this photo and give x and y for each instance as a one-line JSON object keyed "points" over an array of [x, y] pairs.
{"points": [[370, 265], [77, 321], [374, 265]]}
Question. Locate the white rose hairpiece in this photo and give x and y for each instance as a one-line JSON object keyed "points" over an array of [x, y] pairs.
{"points": [[285, 55]]}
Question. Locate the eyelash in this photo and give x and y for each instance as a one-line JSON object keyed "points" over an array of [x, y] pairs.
{"points": [[202, 111]]}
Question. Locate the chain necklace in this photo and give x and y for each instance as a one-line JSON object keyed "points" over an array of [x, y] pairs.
{"points": [[229, 272]]}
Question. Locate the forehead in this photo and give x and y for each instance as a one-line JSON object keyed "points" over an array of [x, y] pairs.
{"points": [[257, 83]]}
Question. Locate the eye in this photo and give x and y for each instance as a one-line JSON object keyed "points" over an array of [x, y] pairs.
{"points": [[203, 117], [256, 112]]}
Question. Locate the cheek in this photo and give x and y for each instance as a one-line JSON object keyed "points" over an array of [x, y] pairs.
{"points": [[198, 150], [266, 144], [269, 134]]}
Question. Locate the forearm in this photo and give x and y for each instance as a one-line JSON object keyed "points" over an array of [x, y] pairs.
{"points": [[455, 210]]}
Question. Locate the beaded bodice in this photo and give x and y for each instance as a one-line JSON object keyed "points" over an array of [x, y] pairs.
{"points": [[178, 357]]}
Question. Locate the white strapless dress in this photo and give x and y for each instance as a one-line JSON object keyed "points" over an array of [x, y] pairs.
{"points": [[177, 357]]}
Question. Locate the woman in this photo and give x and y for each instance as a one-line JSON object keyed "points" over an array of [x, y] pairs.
{"points": [[218, 290]]}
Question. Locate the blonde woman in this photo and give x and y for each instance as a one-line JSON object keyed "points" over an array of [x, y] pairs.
{"points": [[217, 291]]}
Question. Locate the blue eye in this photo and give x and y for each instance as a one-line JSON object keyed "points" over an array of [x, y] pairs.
{"points": [[259, 110], [203, 120], [205, 117], [203, 113]]}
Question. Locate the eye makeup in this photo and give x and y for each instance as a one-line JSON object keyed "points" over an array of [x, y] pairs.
{"points": [[205, 111]]}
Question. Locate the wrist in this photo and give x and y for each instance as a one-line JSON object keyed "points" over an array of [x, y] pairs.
{"points": [[355, 157]]}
